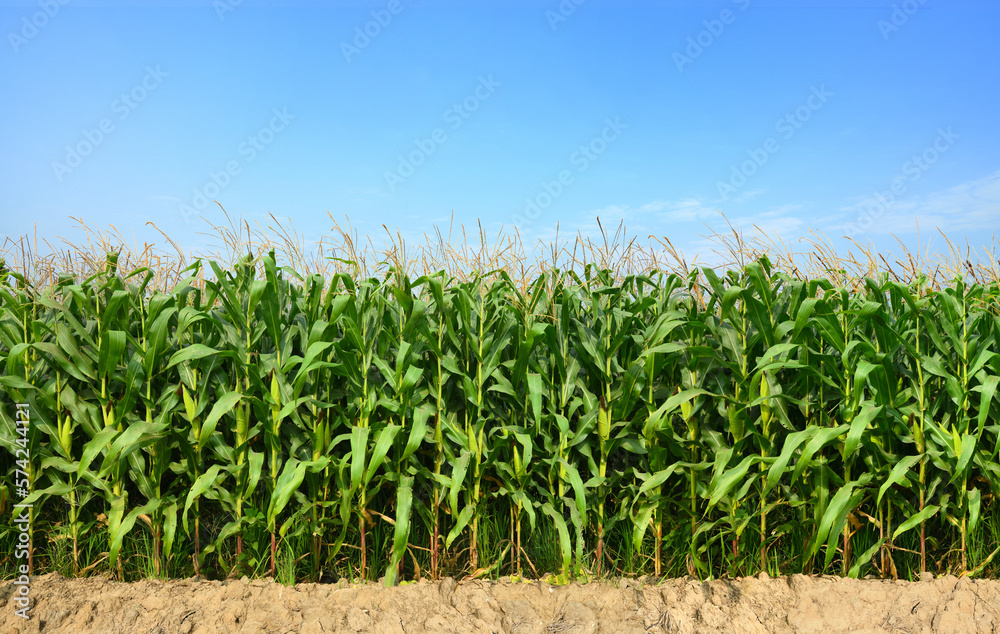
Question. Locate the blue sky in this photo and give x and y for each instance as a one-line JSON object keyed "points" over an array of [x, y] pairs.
{"points": [[847, 118]]}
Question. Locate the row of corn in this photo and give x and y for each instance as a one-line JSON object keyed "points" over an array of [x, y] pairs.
{"points": [[751, 414]]}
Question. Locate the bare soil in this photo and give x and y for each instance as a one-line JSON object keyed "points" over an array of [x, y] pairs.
{"points": [[756, 604]]}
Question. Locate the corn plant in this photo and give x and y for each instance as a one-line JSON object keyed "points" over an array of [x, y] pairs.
{"points": [[735, 415]]}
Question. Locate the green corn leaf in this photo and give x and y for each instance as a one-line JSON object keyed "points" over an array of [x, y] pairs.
{"points": [[579, 491], [205, 482], [288, 482], [461, 466], [418, 431], [222, 407], [255, 467], [968, 447], [778, 467], [916, 519], [820, 439], [359, 455], [858, 426], [565, 545], [864, 558], [461, 521], [193, 352], [404, 500], [988, 390], [94, 447], [135, 437], [657, 480], [118, 533], [383, 443], [169, 527], [724, 482], [112, 348], [898, 474], [526, 505], [835, 515], [975, 505], [642, 518]]}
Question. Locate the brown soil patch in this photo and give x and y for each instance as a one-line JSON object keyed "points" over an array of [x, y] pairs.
{"points": [[790, 604]]}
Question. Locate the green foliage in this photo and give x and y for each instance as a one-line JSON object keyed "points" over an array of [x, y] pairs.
{"points": [[705, 425]]}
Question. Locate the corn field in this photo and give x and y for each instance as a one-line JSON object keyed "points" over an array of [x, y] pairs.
{"points": [[581, 422]]}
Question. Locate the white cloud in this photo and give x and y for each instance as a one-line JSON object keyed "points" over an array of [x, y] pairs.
{"points": [[748, 195], [783, 226], [682, 221], [970, 206]]}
